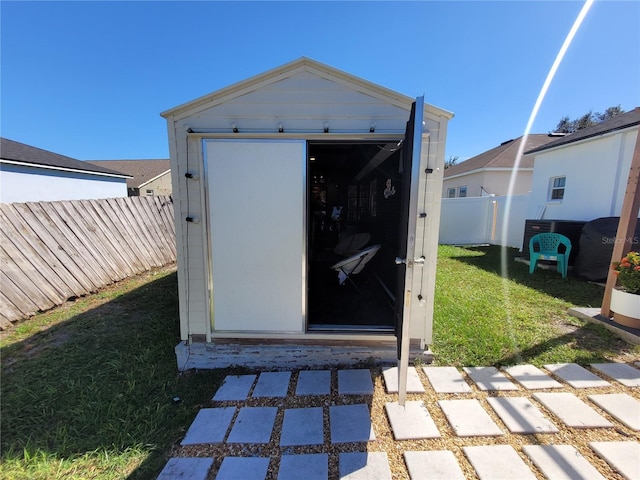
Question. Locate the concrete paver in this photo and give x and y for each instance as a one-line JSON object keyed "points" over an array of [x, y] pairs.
{"points": [[414, 384], [489, 379], [494, 462], [314, 465], [272, 384], [468, 418], [186, 469], [350, 423], [571, 410], [364, 466], [433, 465], [209, 426], [234, 387], [302, 426], [621, 406], [411, 421], [243, 468], [621, 372], [561, 462], [446, 380], [623, 457], [576, 376], [521, 416], [355, 382], [253, 425], [531, 377], [314, 382]]}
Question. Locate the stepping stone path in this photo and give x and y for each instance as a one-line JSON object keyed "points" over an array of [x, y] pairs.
{"points": [[470, 400], [414, 384], [446, 380], [531, 377], [576, 376]]}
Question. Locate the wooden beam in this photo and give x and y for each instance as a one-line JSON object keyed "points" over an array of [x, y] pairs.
{"points": [[626, 226]]}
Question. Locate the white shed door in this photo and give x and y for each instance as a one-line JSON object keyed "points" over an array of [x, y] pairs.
{"points": [[257, 231]]}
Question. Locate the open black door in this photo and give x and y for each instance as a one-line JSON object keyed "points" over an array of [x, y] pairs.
{"points": [[406, 256]]}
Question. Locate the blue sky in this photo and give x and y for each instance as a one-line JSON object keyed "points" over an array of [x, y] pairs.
{"points": [[89, 79]]}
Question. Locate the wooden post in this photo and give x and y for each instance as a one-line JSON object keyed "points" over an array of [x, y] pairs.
{"points": [[626, 226]]}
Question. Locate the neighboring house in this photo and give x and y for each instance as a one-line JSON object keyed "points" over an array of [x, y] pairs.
{"points": [[148, 177], [30, 174], [490, 172], [584, 175]]}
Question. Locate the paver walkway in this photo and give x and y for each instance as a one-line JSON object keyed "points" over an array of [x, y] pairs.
{"points": [[232, 420]]}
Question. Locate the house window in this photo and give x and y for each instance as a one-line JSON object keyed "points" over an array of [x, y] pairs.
{"points": [[150, 192], [556, 190], [451, 193], [462, 191]]}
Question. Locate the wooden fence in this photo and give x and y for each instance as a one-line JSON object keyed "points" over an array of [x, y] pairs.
{"points": [[53, 251]]}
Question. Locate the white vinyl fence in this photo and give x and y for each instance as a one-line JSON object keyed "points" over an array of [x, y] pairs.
{"points": [[481, 220]]}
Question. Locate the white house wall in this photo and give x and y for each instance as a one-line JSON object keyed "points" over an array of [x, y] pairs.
{"points": [[596, 171], [493, 181], [30, 184]]}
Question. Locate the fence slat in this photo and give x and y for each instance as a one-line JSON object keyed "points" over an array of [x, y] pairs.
{"points": [[52, 251], [8, 311], [16, 296], [9, 253], [142, 226], [77, 225], [54, 222], [57, 244], [112, 248], [24, 238], [155, 221], [115, 212], [117, 238]]}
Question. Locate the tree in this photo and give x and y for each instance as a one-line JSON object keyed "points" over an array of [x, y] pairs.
{"points": [[453, 160], [565, 125]]}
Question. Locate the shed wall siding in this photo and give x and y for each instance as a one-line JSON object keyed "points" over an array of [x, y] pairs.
{"points": [[301, 104]]}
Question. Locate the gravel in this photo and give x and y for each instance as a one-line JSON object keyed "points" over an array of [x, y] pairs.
{"points": [[385, 442]]}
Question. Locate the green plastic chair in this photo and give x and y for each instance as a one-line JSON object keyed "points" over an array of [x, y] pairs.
{"points": [[546, 246]]}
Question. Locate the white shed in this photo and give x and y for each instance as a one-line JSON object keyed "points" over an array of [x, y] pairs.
{"points": [[272, 176]]}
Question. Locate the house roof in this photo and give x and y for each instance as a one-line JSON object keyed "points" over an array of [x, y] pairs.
{"points": [[141, 171], [500, 157], [618, 122], [21, 154], [287, 70]]}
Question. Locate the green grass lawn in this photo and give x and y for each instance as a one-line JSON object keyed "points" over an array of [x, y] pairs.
{"points": [[88, 388], [484, 318]]}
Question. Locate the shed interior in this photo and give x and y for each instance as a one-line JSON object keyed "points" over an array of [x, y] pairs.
{"points": [[354, 203]]}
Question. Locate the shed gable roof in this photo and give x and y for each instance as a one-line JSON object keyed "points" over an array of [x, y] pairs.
{"points": [[500, 157], [141, 171], [619, 122], [290, 70], [20, 153]]}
